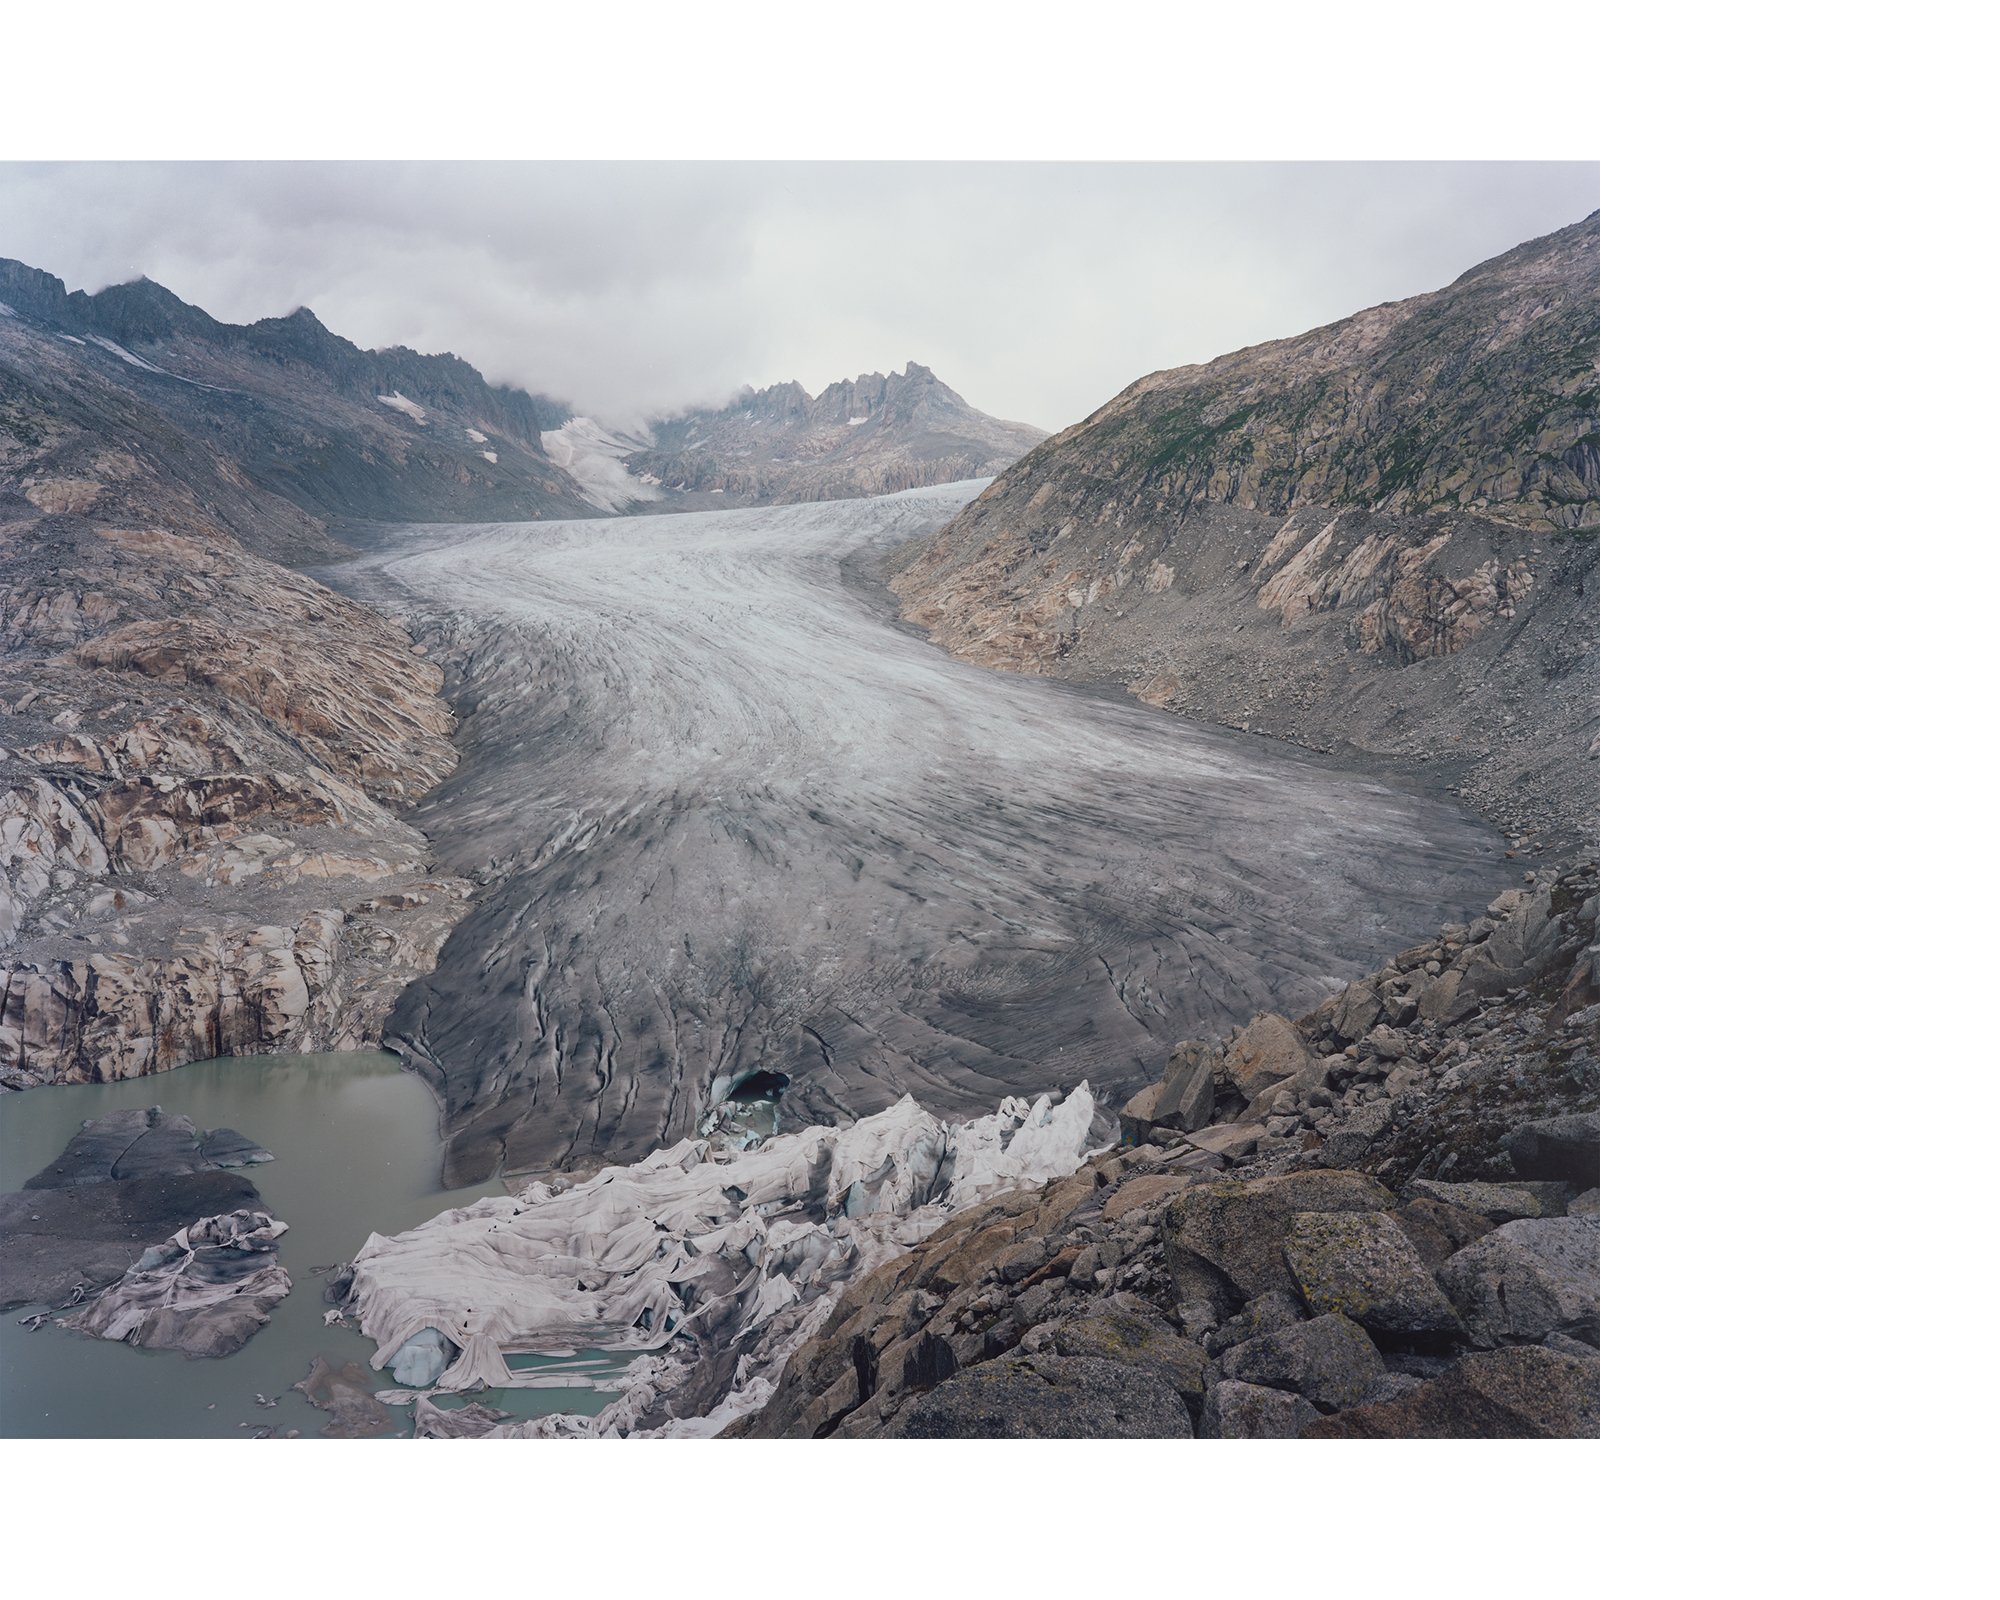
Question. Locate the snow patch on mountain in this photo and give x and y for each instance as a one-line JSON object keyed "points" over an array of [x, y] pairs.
{"points": [[403, 403], [126, 356]]}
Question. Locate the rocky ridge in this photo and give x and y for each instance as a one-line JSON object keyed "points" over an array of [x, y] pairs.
{"points": [[283, 405], [875, 434], [1379, 1219], [1380, 537]]}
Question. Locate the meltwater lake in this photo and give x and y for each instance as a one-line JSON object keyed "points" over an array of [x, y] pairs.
{"points": [[357, 1151]]}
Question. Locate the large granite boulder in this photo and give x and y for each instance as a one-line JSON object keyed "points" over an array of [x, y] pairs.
{"points": [[1563, 1148], [1329, 1360], [1225, 1241], [1362, 1265], [1496, 1202], [1527, 1392], [1264, 1054], [1182, 1101], [1048, 1397], [1526, 1280], [1233, 1410], [1138, 1337]]}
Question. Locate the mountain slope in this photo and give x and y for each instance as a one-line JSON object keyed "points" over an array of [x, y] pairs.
{"points": [[1381, 535], [202, 752], [378, 435], [875, 434]]}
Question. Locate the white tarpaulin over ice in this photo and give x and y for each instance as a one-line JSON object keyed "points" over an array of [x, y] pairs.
{"points": [[716, 1257]]}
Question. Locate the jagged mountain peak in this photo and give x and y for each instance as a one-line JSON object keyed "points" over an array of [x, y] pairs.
{"points": [[870, 434]]}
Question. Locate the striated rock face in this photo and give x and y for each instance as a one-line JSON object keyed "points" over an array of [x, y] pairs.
{"points": [[199, 750], [1304, 1264], [876, 434], [1380, 534]]}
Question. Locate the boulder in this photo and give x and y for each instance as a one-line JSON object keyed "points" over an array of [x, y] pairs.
{"points": [[1562, 1148], [1139, 1337], [1266, 1314], [1348, 1141], [1345, 1018], [1233, 1410], [1289, 1096], [1233, 1141], [1362, 1265], [1443, 1002], [1329, 1360], [1135, 1194], [1497, 1202], [1264, 1054], [1385, 1044], [1225, 1241], [1048, 1397], [1187, 1092], [1139, 1115], [1521, 949], [1526, 1392], [1439, 1231], [1526, 1280]]}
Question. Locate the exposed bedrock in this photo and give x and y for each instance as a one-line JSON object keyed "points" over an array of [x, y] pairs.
{"points": [[724, 817], [199, 756]]}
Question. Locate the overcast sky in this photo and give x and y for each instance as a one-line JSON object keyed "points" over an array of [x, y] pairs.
{"points": [[1036, 290]]}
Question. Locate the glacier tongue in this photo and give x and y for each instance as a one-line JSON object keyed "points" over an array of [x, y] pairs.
{"points": [[722, 1260]]}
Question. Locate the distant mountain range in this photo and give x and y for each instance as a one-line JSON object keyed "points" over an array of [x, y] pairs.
{"points": [[875, 434], [395, 435]]}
